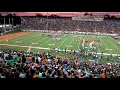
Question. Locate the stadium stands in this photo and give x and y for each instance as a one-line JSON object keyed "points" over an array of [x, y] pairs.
{"points": [[67, 24], [15, 64]]}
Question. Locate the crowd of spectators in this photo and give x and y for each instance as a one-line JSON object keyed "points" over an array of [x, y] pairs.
{"points": [[15, 64], [67, 24]]}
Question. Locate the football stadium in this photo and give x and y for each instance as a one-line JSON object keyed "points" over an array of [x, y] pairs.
{"points": [[52, 46]]}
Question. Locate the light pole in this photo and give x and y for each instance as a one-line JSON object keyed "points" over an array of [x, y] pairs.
{"points": [[4, 26], [10, 24]]}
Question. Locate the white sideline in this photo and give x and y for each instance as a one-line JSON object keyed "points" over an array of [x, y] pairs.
{"points": [[49, 49]]}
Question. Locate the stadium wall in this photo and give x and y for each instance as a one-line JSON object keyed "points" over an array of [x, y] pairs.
{"points": [[95, 33], [35, 30]]}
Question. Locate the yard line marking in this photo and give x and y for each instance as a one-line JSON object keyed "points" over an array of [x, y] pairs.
{"points": [[70, 43], [24, 38], [114, 44], [86, 38], [97, 45], [30, 39], [114, 40], [55, 42], [35, 35], [63, 42], [15, 39], [41, 39], [34, 39], [79, 43], [48, 48], [20, 38], [29, 49], [46, 41], [105, 45]]}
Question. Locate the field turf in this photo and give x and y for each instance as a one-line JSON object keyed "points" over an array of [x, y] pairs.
{"points": [[67, 41]]}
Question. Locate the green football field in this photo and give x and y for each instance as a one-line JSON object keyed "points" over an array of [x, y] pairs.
{"points": [[106, 44]]}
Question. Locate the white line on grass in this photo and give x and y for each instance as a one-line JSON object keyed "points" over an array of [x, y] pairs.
{"points": [[40, 39], [19, 38], [114, 45], [79, 42], [31, 38], [55, 42], [70, 43], [24, 38], [29, 49], [48, 48], [63, 42], [114, 40], [45, 42], [97, 45], [106, 45], [86, 38]]}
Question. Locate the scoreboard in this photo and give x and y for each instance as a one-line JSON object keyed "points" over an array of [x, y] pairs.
{"points": [[88, 18]]}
